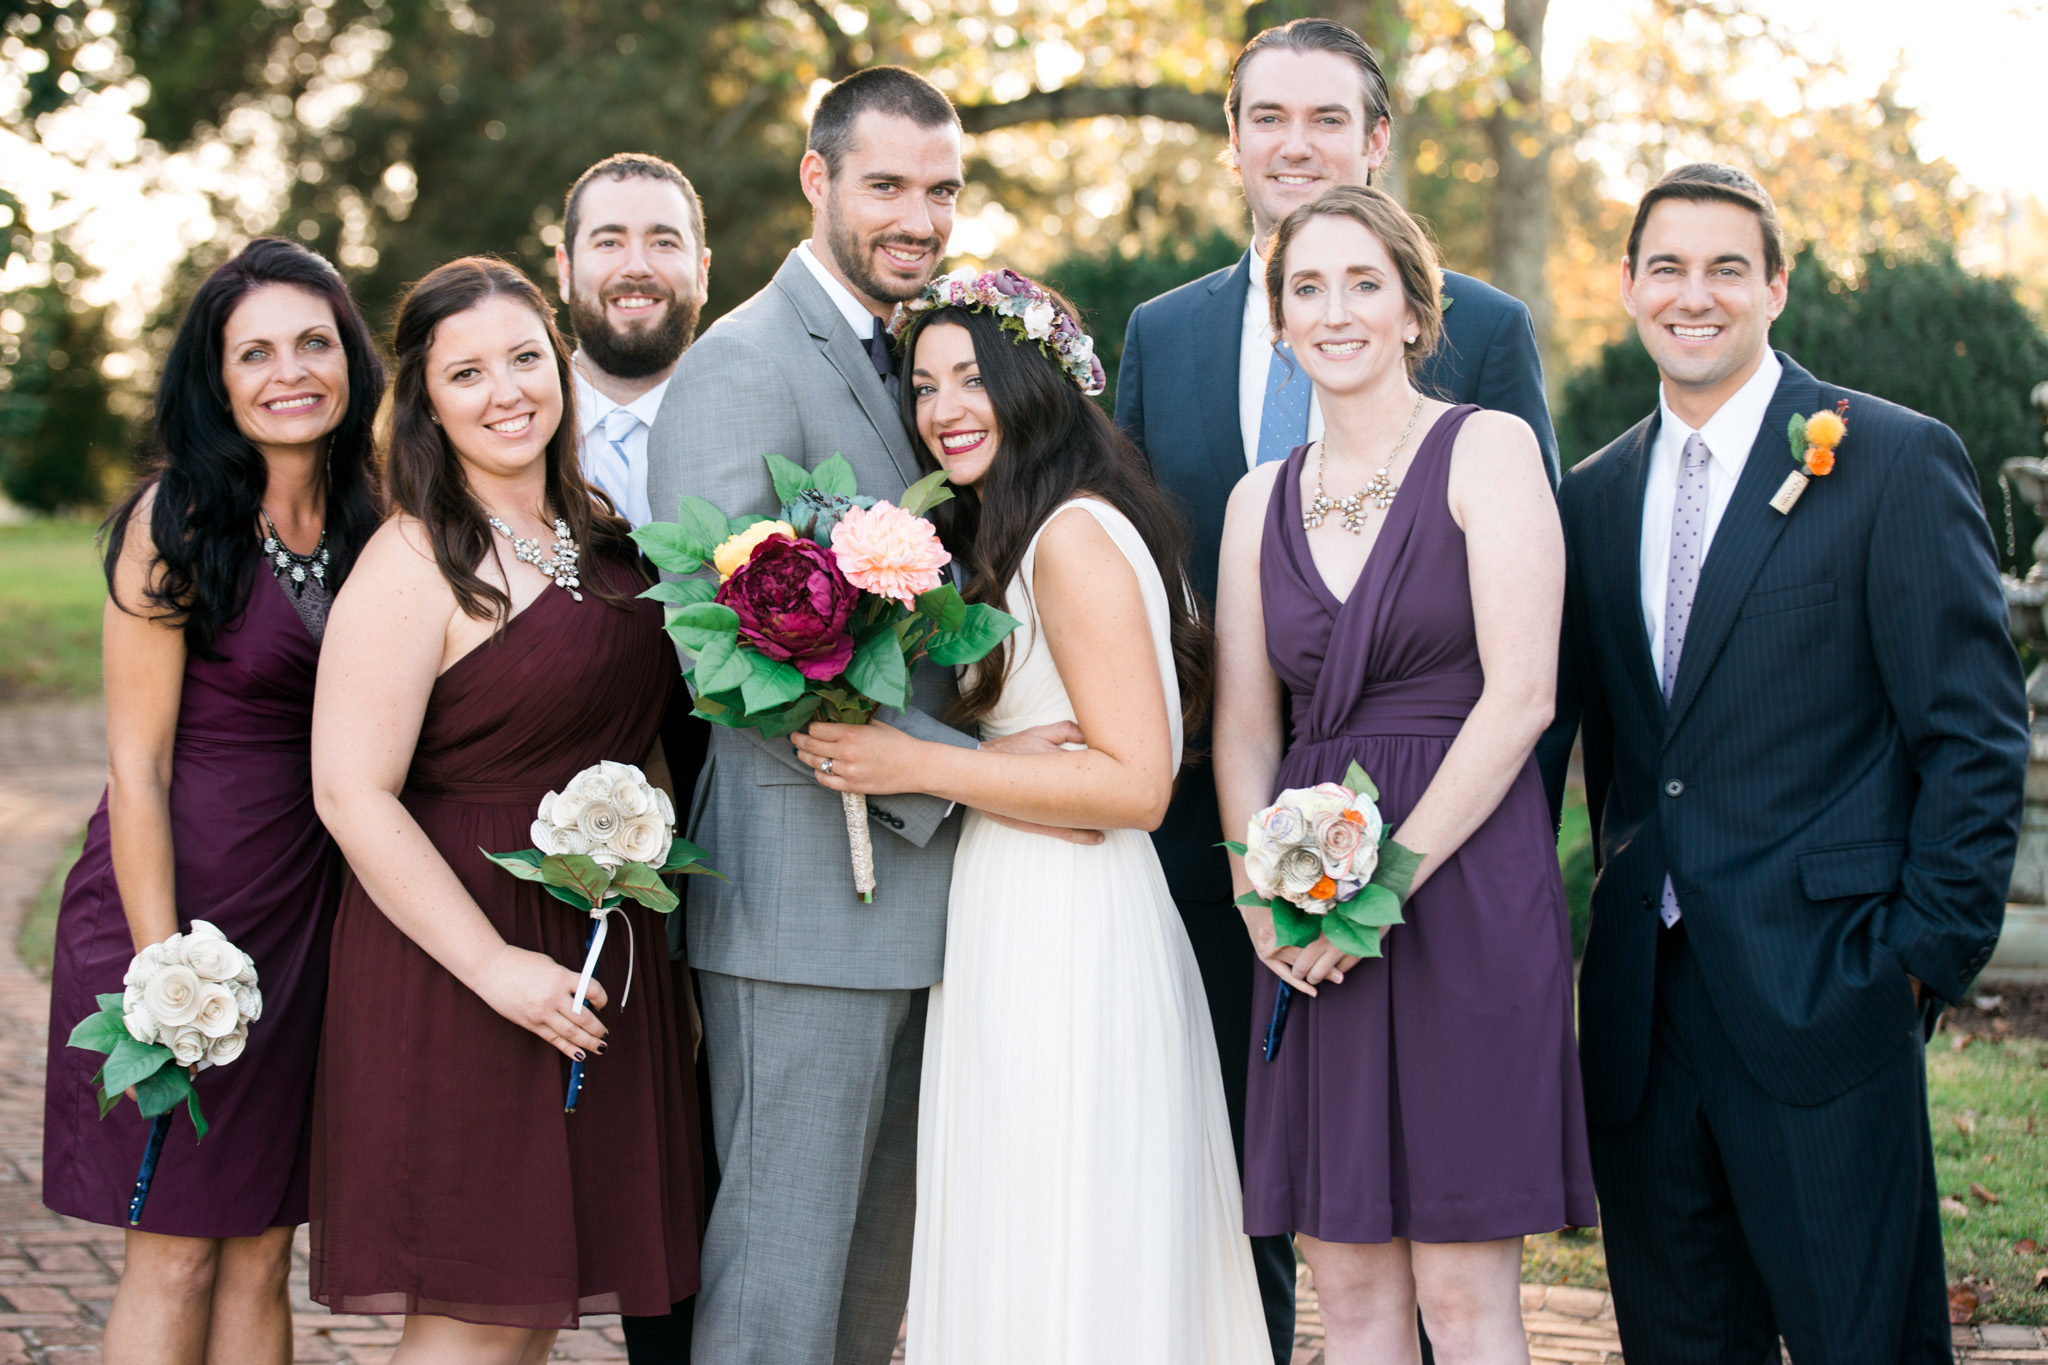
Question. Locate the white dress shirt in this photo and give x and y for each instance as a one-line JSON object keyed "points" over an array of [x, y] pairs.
{"points": [[1254, 356], [594, 448], [1729, 434], [852, 309]]}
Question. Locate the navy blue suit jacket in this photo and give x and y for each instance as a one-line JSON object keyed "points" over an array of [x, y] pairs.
{"points": [[1835, 785], [1177, 397]]}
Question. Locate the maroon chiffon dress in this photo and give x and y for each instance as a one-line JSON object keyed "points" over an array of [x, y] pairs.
{"points": [[447, 1180], [252, 858], [1434, 1095]]}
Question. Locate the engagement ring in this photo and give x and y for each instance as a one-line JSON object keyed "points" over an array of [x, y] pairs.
{"points": [[826, 767]]}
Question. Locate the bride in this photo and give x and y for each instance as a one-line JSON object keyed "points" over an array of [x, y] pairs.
{"points": [[1077, 1197]]}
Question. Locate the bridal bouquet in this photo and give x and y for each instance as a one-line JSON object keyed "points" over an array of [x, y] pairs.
{"points": [[818, 613], [606, 838], [186, 1002]]}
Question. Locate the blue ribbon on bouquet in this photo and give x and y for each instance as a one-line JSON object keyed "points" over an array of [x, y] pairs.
{"points": [[1278, 1023], [158, 1131]]}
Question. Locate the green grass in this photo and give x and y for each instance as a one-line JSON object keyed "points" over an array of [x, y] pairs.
{"points": [[1575, 861], [1999, 1089], [51, 594], [36, 939]]}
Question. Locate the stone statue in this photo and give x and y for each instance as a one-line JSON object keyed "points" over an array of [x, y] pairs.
{"points": [[2026, 601]]}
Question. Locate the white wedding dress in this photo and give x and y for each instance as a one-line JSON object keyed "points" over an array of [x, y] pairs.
{"points": [[1077, 1197]]}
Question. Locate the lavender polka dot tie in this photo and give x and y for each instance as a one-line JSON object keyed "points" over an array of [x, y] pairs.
{"points": [[1688, 551]]}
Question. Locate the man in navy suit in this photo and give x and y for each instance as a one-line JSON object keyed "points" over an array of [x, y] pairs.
{"points": [[1200, 389], [1805, 744]]}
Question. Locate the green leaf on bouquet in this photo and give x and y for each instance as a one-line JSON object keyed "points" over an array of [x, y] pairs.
{"points": [[681, 592], [1294, 928], [791, 479], [577, 872], [110, 1001], [1355, 778], [668, 546], [639, 882], [1396, 870], [699, 623], [878, 669], [106, 1101], [131, 1061], [927, 493], [983, 629], [943, 607], [686, 858], [741, 523], [1796, 431], [785, 722], [525, 864], [721, 665], [1373, 907], [770, 684], [162, 1092], [102, 1030], [1351, 938], [835, 478], [1235, 847]]}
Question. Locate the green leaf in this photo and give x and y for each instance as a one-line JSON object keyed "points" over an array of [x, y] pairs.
{"points": [[790, 719], [770, 684], [100, 1031], [198, 1119], [878, 670], [106, 1101], [667, 546], [835, 477], [1355, 778], [739, 524], [1350, 938], [699, 623], [162, 1091], [1253, 900], [642, 883], [943, 607], [983, 630], [721, 665], [791, 479], [681, 854], [1373, 906], [525, 864], [1235, 847], [130, 1062], [681, 592], [701, 528], [1396, 870], [1796, 430], [1294, 928], [927, 493], [577, 872], [112, 1000]]}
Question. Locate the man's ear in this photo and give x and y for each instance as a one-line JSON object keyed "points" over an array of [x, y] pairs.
{"points": [[562, 286], [1628, 286], [1378, 141], [815, 176]]}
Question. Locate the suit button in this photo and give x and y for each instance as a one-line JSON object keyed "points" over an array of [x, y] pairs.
{"points": [[1674, 788]]}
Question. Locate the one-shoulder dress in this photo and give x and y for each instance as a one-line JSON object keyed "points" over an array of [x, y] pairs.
{"points": [[447, 1180], [1434, 1095], [252, 858]]}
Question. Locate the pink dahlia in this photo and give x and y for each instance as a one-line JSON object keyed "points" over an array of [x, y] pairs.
{"points": [[887, 551]]}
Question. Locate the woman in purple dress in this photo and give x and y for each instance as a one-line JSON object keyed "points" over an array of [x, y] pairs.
{"points": [[220, 566], [1403, 579]]}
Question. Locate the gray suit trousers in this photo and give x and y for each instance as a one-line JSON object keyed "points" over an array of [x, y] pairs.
{"points": [[814, 1107]]}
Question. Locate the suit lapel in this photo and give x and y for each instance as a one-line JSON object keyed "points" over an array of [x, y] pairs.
{"points": [[848, 354], [1748, 531], [1222, 323], [1623, 548]]}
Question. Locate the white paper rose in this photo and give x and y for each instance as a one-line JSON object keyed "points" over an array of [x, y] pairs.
{"points": [[1283, 825], [227, 1047], [571, 841], [141, 1023], [592, 784], [547, 805], [187, 1045], [1262, 865], [204, 929], [246, 976], [665, 808], [217, 1013], [173, 995], [600, 823], [567, 806], [171, 952], [248, 1003], [144, 966], [215, 959], [1300, 868], [644, 839], [543, 835], [632, 798]]}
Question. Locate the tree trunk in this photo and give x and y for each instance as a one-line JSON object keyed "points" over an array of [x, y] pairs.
{"points": [[1521, 149]]}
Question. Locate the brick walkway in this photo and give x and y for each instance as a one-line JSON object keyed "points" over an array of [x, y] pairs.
{"points": [[57, 1274]]}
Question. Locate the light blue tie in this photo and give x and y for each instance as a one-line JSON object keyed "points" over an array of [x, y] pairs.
{"points": [[1283, 421], [616, 477]]}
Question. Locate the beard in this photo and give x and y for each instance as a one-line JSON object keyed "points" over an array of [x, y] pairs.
{"points": [[635, 351], [857, 261]]}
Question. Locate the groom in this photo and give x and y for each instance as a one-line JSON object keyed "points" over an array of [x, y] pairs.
{"points": [[814, 1004], [1805, 742]]}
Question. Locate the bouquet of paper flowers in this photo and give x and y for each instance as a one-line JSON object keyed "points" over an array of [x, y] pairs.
{"points": [[186, 1002], [606, 838], [1322, 860], [818, 613]]}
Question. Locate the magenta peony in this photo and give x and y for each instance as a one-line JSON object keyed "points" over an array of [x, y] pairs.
{"points": [[887, 551], [793, 604]]}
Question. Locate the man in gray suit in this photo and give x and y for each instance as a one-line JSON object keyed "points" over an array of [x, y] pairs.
{"points": [[814, 1004]]}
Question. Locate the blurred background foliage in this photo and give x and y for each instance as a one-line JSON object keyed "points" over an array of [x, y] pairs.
{"points": [[395, 134]]}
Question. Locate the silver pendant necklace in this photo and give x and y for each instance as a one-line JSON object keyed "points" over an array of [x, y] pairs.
{"points": [[289, 567], [561, 566], [1379, 490]]}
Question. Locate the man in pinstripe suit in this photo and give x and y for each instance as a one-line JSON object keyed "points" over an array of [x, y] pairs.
{"points": [[1805, 741]]}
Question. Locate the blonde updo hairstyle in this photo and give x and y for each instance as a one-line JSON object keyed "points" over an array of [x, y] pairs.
{"points": [[1415, 259]]}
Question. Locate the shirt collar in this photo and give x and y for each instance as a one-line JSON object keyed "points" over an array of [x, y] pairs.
{"points": [[852, 309], [1733, 428], [593, 407]]}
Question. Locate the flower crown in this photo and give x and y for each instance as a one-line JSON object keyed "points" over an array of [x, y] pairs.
{"points": [[1024, 308]]}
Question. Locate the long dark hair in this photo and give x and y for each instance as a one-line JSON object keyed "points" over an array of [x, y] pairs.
{"points": [[423, 476], [1054, 444], [209, 477]]}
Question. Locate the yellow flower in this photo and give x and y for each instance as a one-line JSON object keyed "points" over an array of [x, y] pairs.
{"points": [[737, 550], [1826, 430]]}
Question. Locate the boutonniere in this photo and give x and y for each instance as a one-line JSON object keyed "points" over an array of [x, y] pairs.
{"points": [[1813, 440]]}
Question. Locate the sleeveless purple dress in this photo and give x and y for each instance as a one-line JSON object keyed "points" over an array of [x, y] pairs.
{"points": [[1434, 1095], [252, 858]]}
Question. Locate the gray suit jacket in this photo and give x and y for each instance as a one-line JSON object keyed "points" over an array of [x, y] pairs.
{"points": [[784, 374]]}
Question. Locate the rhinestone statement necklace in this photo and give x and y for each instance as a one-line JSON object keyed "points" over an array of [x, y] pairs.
{"points": [[290, 568], [561, 567], [1379, 490]]}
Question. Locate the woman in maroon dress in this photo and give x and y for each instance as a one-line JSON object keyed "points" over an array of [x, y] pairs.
{"points": [[489, 648], [219, 569], [1404, 579]]}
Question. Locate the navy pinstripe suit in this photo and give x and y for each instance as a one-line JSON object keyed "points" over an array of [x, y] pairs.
{"points": [[1835, 791]]}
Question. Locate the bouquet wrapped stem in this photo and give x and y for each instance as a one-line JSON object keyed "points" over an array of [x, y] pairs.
{"points": [[861, 843]]}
